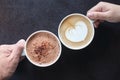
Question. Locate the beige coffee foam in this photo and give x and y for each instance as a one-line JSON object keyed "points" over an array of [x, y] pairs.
{"points": [[71, 21]]}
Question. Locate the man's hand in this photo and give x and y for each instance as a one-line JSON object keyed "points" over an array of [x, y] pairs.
{"points": [[104, 11], [9, 58]]}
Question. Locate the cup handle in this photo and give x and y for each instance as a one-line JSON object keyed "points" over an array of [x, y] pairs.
{"points": [[23, 53], [92, 21]]}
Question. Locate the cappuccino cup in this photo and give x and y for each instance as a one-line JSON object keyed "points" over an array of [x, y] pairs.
{"points": [[42, 48], [76, 31]]}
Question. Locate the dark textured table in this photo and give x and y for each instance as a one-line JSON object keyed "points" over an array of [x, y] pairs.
{"points": [[99, 61]]}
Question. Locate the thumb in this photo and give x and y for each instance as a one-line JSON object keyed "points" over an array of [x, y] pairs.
{"points": [[97, 15], [18, 48]]}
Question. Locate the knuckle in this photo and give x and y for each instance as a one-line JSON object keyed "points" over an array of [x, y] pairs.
{"points": [[89, 11], [101, 2], [11, 59], [108, 16], [3, 46], [96, 16]]}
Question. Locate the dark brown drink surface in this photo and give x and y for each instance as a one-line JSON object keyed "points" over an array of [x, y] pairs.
{"points": [[43, 48]]}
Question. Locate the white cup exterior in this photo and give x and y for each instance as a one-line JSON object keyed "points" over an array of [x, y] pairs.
{"points": [[80, 47], [41, 65]]}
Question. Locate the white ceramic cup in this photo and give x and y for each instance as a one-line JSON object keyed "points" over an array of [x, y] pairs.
{"points": [[37, 64], [61, 37]]}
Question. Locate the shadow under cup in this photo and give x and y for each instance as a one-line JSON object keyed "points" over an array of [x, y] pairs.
{"points": [[76, 26], [42, 48]]}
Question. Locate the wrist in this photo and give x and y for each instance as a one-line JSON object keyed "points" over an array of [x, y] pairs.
{"points": [[118, 13]]}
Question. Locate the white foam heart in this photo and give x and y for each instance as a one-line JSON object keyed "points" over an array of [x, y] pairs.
{"points": [[78, 33]]}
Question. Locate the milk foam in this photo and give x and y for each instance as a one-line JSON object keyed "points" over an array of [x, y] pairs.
{"points": [[77, 33]]}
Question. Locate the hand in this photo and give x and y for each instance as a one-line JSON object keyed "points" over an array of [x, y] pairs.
{"points": [[9, 58], [104, 11]]}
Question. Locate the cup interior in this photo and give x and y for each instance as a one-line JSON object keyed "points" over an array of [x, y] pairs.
{"points": [[42, 32], [62, 30]]}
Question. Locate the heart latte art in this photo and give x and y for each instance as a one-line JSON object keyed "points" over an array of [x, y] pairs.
{"points": [[77, 32]]}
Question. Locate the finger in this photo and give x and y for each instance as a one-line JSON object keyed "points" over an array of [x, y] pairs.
{"points": [[97, 8], [96, 24], [6, 46], [97, 15], [22, 57], [6, 49], [18, 48]]}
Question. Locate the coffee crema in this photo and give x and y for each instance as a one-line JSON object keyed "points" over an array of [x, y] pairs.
{"points": [[80, 31], [43, 48]]}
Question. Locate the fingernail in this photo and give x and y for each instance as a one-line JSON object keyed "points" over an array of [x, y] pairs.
{"points": [[22, 41], [90, 15]]}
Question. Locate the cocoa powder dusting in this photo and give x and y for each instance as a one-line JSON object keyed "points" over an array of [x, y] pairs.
{"points": [[42, 51], [43, 48]]}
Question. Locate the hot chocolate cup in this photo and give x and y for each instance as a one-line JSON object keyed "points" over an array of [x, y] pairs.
{"points": [[42, 48]]}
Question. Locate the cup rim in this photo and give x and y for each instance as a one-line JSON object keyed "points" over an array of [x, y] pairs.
{"points": [[80, 47], [43, 65]]}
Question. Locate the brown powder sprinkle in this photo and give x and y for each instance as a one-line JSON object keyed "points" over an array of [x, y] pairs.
{"points": [[43, 50]]}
